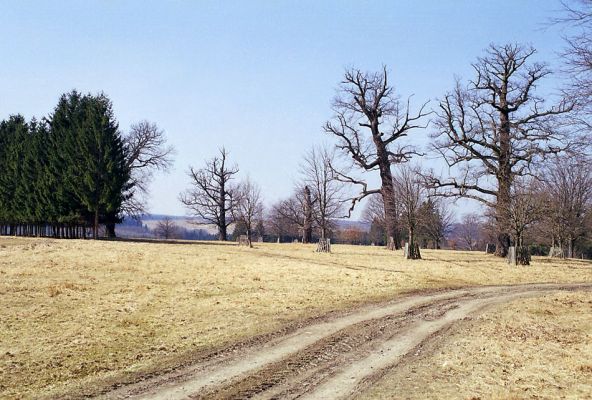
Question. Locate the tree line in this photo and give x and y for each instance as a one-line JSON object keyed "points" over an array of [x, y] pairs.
{"points": [[66, 175], [522, 155], [505, 146]]}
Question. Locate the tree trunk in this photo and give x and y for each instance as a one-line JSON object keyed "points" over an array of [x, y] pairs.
{"points": [[504, 176], [307, 225], [502, 245], [96, 225], [222, 228], [413, 249], [249, 237], [222, 235], [110, 229], [501, 214], [522, 255], [391, 218], [386, 189], [570, 247]]}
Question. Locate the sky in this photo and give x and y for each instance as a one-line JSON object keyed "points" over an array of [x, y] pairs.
{"points": [[257, 77]]}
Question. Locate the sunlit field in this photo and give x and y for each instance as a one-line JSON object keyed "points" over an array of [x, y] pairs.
{"points": [[531, 348], [78, 315]]}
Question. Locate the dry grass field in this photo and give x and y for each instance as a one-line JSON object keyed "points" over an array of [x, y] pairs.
{"points": [[76, 315], [537, 348]]}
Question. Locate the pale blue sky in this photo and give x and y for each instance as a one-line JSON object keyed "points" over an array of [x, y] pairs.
{"points": [[255, 76]]}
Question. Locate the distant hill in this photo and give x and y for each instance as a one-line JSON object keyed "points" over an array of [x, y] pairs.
{"points": [[145, 227], [350, 223]]}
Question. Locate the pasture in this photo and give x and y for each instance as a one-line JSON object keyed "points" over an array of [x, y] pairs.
{"points": [[78, 316]]}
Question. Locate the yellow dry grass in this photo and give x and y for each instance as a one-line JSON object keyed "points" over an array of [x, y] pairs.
{"points": [[75, 314], [537, 348]]}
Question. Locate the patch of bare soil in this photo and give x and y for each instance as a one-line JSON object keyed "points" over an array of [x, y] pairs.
{"points": [[336, 357]]}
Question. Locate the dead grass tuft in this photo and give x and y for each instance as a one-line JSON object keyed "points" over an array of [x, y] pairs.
{"points": [[54, 291], [585, 368]]}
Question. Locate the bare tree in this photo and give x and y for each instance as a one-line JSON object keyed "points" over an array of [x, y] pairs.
{"points": [[470, 230], [326, 190], [495, 130], [210, 198], [249, 206], [567, 191], [278, 224], [166, 229], [577, 55], [374, 216], [435, 220], [298, 210], [525, 209], [147, 152], [374, 210], [369, 121], [410, 191]]}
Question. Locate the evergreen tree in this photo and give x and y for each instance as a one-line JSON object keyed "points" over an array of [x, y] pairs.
{"points": [[99, 175], [65, 173]]}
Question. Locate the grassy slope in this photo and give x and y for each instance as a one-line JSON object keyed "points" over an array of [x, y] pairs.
{"points": [[75, 313]]}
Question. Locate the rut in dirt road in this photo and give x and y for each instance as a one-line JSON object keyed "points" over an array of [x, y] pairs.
{"points": [[336, 358]]}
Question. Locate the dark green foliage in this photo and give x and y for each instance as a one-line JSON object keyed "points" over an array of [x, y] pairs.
{"points": [[65, 174]]}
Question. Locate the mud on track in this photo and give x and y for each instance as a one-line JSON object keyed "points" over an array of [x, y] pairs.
{"points": [[337, 357]]}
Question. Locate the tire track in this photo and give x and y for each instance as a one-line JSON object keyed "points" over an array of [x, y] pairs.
{"points": [[333, 358]]}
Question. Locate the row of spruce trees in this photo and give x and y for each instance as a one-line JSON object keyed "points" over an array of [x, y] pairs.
{"points": [[66, 174]]}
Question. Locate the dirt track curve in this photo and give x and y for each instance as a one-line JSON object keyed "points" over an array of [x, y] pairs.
{"points": [[336, 357]]}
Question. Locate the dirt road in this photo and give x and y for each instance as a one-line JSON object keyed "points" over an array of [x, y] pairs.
{"points": [[336, 357]]}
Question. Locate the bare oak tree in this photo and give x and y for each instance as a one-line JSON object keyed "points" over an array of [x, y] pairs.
{"points": [[249, 206], [470, 230], [526, 208], [567, 192], [495, 129], [435, 221], [410, 191], [147, 152], [577, 56], [298, 210], [278, 224], [210, 198], [373, 215], [369, 123], [166, 229], [326, 190]]}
